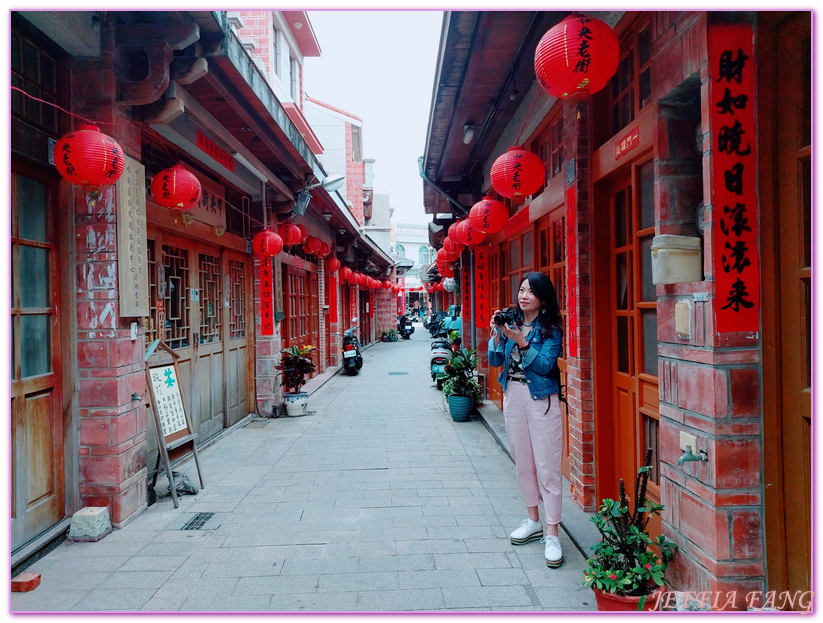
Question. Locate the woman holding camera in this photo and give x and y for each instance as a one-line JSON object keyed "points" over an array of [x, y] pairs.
{"points": [[526, 341]]}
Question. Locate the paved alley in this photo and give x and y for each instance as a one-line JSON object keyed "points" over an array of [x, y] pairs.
{"points": [[376, 501]]}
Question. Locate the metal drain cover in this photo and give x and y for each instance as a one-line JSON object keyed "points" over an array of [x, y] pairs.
{"points": [[398, 373], [197, 522]]}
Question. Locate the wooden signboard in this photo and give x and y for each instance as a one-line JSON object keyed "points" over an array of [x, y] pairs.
{"points": [[132, 261], [175, 438]]}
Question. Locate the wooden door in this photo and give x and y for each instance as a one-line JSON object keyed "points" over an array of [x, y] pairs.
{"points": [[795, 289], [327, 315], [551, 260], [238, 325], [208, 342], [300, 293], [37, 465], [633, 311]]}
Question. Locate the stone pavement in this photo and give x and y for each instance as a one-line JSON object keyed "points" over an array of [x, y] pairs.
{"points": [[376, 502]]}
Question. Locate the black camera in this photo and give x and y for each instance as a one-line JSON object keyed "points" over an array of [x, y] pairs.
{"points": [[506, 316]]}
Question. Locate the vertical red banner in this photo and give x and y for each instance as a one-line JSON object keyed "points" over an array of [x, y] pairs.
{"points": [[266, 298], [734, 179], [571, 270], [465, 290], [371, 304], [332, 297], [353, 305], [481, 286]]}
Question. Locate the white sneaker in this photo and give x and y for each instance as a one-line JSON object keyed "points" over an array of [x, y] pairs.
{"points": [[527, 532], [554, 553]]}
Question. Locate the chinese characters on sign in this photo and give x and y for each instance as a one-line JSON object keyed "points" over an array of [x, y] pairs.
{"points": [[353, 305], [481, 285], [212, 207], [218, 154], [737, 263], [626, 143], [571, 269], [465, 290], [266, 298], [132, 261], [169, 404]]}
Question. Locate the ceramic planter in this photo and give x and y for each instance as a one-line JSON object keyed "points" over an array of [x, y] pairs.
{"points": [[612, 602], [460, 408], [296, 403]]}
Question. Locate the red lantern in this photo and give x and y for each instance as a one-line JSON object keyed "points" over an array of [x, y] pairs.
{"points": [[395, 289], [452, 247], [451, 233], [333, 264], [312, 244], [345, 273], [176, 188], [489, 216], [325, 249], [387, 284], [577, 56], [87, 157], [447, 271], [460, 232], [290, 233], [266, 244], [517, 173], [304, 233], [474, 237]]}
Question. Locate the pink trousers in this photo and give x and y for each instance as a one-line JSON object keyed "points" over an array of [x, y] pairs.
{"points": [[536, 445]]}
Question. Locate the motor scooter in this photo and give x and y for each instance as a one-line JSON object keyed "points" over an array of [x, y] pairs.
{"points": [[440, 355], [352, 359], [404, 326]]}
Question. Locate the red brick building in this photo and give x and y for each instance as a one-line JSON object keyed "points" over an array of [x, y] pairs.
{"points": [[719, 360], [98, 276]]}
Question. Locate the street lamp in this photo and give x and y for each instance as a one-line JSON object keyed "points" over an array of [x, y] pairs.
{"points": [[304, 195]]}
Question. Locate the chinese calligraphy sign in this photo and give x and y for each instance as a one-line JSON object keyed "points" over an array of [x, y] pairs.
{"points": [[736, 261], [571, 269], [217, 153], [168, 401], [626, 143], [266, 297], [132, 259], [482, 292]]}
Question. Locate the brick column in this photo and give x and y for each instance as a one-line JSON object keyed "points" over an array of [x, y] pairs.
{"points": [[580, 369], [269, 394], [324, 316]]}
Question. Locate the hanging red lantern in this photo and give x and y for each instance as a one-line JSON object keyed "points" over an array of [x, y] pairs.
{"points": [[474, 237], [517, 173], [395, 289], [266, 244], [577, 56], [387, 284], [176, 187], [460, 232], [87, 157], [325, 249], [452, 247], [345, 273], [489, 216], [290, 234], [333, 264], [304, 233], [447, 272], [312, 244]]}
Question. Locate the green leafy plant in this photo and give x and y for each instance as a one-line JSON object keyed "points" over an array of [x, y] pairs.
{"points": [[460, 380], [392, 333], [295, 366], [623, 561], [454, 336]]}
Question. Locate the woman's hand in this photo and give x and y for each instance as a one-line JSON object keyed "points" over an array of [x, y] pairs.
{"points": [[493, 326], [513, 333]]}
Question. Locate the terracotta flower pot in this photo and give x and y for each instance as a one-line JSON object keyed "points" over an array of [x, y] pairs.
{"points": [[612, 602]]}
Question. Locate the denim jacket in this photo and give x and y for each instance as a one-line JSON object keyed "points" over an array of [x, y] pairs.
{"points": [[538, 360]]}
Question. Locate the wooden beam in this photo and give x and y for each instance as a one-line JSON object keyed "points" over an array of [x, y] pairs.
{"points": [[148, 90], [177, 36]]}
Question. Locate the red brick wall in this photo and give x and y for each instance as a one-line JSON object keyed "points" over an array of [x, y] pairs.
{"points": [[355, 178], [385, 307], [257, 28]]}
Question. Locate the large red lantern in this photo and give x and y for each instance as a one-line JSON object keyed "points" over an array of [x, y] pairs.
{"points": [[488, 216], [577, 56], [517, 173], [325, 249], [333, 264], [345, 273], [87, 157], [451, 233], [460, 232], [452, 247], [266, 244], [387, 284], [304, 233], [474, 237], [176, 187], [290, 233], [312, 244]]}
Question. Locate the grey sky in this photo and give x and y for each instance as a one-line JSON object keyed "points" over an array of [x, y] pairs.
{"points": [[379, 66]]}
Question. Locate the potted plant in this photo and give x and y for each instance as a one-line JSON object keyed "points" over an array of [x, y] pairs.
{"points": [[393, 335], [295, 366], [454, 339], [461, 389], [384, 337], [624, 572]]}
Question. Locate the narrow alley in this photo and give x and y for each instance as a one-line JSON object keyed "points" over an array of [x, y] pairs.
{"points": [[375, 501]]}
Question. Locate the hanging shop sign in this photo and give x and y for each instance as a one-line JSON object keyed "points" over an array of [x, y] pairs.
{"points": [[571, 270], [211, 209], [266, 297], [736, 257], [132, 261], [353, 304], [277, 269], [625, 144], [218, 154], [481, 280]]}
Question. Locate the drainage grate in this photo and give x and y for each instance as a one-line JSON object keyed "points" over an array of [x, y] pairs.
{"points": [[399, 373], [197, 522]]}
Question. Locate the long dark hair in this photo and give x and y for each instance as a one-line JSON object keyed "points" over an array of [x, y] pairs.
{"points": [[549, 314]]}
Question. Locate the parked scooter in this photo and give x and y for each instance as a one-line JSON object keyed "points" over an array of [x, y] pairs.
{"points": [[436, 323], [441, 354], [352, 359], [404, 326]]}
